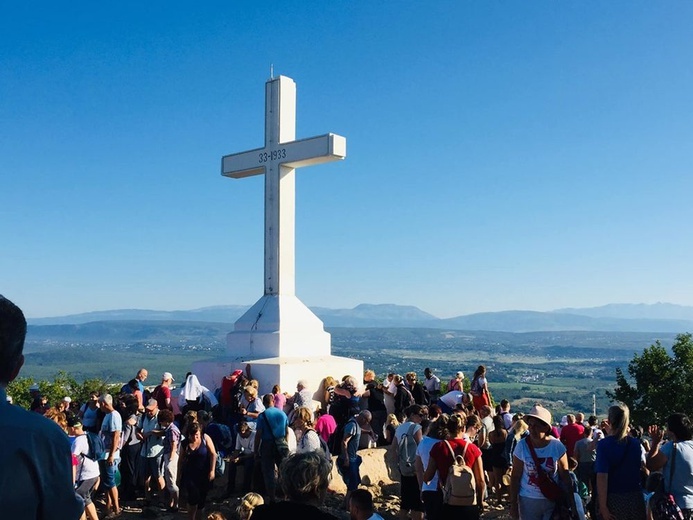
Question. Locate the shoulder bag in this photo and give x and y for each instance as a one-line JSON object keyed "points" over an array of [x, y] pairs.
{"points": [[547, 485], [662, 503]]}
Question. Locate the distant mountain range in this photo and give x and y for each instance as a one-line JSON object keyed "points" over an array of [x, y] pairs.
{"points": [[659, 317]]}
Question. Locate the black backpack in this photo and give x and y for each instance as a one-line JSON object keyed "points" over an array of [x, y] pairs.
{"points": [[236, 395]]}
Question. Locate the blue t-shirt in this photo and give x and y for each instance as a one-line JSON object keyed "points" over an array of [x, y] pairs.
{"points": [[683, 472], [112, 422], [277, 421], [622, 462]]}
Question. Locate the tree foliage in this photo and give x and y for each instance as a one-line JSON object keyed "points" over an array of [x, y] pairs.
{"points": [[658, 384], [62, 384]]}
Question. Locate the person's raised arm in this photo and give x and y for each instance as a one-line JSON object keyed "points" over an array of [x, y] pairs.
{"points": [[655, 458]]}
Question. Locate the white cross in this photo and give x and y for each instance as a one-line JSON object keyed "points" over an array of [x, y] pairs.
{"points": [[278, 159]]}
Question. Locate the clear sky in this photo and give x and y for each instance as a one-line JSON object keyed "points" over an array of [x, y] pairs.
{"points": [[501, 155]]}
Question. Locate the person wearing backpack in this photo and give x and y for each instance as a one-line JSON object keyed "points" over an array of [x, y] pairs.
{"points": [[460, 473], [407, 437], [87, 471], [674, 459], [348, 460]]}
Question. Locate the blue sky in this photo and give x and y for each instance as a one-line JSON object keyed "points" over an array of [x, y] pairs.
{"points": [[501, 155]]}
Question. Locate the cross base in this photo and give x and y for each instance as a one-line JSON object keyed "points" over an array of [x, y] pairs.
{"points": [[283, 371], [278, 326]]}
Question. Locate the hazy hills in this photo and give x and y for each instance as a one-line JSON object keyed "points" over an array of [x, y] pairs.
{"points": [[660, 317]]}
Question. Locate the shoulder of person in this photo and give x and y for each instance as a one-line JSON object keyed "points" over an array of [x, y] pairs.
{"points": [[558, 445]]}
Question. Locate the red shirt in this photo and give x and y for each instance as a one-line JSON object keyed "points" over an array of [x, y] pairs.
{"points": [[161, 394], [570, 434], [227, 384], [444, 459]]}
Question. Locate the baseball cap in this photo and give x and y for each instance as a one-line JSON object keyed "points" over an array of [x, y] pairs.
{"points": [[168, 375]]}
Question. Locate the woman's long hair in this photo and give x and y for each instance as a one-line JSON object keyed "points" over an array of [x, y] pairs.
{"points": [[619, 417]]}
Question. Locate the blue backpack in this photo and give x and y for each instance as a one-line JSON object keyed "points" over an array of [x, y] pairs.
{"points": [[97, 448]]}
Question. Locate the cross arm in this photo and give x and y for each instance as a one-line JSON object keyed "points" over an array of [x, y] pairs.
{"points": [[314, 150], [244, 164]]}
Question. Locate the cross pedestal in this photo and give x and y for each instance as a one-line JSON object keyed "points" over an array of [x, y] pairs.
{"points": [[279, 336]]}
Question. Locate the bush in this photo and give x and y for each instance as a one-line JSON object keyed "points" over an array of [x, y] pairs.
{"points": [[63, 384]]}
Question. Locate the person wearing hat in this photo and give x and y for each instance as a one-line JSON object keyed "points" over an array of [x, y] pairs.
{"points": [[87, 471], [162, 393], [151, 435], [64, 405], [527, 500]]}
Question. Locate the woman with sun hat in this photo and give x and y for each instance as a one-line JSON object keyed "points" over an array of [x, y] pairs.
{"points": [[538, 453]]}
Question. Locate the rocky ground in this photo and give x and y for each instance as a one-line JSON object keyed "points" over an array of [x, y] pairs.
{"points": [[387, 504], [377, 477]]}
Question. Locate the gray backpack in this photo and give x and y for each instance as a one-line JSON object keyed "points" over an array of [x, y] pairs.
{"points": [[407, 453]]}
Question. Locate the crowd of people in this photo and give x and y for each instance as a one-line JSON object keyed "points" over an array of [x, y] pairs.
{"points": [[456, 452]]}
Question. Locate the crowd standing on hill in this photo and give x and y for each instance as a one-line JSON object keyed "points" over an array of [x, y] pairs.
{"points": [[457, 452]]}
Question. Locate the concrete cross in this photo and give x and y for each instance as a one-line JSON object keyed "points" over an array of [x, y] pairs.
{"points": [[277, 160]]}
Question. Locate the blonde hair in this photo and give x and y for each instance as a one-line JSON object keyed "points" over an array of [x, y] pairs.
{"points": [[369, 372], [619, 417], [251, 391], [305, 414], [216, 515], [519, 428], [392, 419], [249, 501]]}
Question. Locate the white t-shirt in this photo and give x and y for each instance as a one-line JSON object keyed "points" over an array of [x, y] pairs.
{"points": [[309, 442], [291, 441], [403, 429], [423, 451], [432, 384], [392, 388], [248, 444], [452, 399], [547, 456], [87, 468]]}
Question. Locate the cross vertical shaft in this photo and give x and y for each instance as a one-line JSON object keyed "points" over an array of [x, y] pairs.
{"points": [[280, 189]]}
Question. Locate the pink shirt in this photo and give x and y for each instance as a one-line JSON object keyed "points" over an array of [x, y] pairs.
{"points": [[279, 401], [325, 426]]}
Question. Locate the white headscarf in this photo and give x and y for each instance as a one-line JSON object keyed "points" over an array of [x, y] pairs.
{"points": [[193, 390]]}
